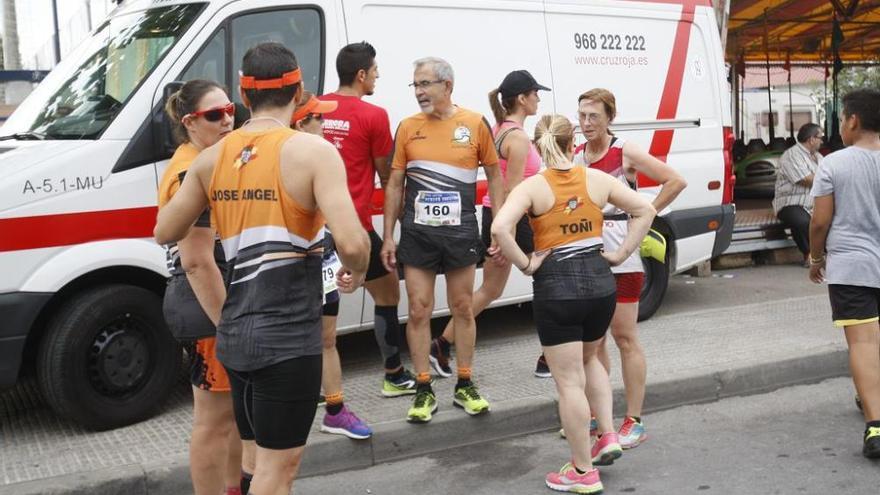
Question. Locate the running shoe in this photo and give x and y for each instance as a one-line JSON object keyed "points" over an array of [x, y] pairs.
{"points": [[346, 423], [631, 433], [470, 400], [404, 385], [423, 408], [541, 369], [594, 429], [439, 360], [871, 449], [569, 480], [606, 450]]}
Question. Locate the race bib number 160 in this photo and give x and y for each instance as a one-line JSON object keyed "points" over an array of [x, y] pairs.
{"points": [[438, 208]]}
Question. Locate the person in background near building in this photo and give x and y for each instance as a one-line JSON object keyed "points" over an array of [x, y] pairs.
{"points": [[574, 289], [794, 178], [439, 152], [362, 134], [309, 117], [201, 114], [270, 189], [518, 160], [611, 154], [844, 251]]}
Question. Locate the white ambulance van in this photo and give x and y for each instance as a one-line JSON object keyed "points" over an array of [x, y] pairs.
{"points": [[80, 295]]}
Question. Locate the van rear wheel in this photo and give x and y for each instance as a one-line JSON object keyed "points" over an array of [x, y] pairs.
{"points": [[654, 287], [107, 358]]}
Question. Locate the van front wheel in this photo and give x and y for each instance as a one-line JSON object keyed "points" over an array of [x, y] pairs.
{"points": [[107, 358], [654, 288]]}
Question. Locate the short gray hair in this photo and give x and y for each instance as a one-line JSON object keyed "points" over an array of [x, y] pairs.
{"points": [[441, 67]]}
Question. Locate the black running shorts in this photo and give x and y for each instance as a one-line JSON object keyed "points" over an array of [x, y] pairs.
{"points": [[276, 405], [375, 269], [437, 253], [525, 239], [564, 321], [853, 304]]}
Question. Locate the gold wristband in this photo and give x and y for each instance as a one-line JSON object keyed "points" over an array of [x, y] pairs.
{"points": [[816, 261]]}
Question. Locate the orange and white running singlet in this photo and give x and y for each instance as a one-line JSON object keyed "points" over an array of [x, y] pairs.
{"points": [[273, 304]]}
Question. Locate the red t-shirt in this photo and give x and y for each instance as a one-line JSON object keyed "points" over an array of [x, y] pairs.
{"points": [[360, 131]]}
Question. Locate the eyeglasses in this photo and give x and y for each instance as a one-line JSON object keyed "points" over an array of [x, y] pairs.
{"points": [[213, 114], [424, 84]]}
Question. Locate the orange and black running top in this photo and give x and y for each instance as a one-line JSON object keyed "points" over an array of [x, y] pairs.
{"points": [[273, 304], [168, 187], [441, 159], [574, 222]]}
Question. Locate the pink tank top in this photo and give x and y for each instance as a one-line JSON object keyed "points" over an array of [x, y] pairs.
{"points": [[533, 159]]}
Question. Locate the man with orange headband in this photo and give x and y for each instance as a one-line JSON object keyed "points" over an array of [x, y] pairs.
{"points": [[265, 184]]}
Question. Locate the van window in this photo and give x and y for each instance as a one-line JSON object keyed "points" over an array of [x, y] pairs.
{"points": [[211, 62], [121, 54], [301, 30]]}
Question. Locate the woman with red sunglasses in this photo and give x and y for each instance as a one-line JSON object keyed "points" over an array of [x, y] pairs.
{"points": [[201, 115]]}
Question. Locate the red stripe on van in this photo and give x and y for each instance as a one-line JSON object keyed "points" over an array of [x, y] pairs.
{"points": [[662, 141], [76, 228], [685, 3], [378, 201]]}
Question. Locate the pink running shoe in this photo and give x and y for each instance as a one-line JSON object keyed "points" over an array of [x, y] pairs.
{"points": [[568, 480], [606, 449]]}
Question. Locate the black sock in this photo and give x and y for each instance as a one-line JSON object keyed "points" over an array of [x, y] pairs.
{"points": [[444, 345], [463, 383], [245, 482], [424, 387], [579, 471], [394, 376], [637, 419], [872, 424], [333, 409]]}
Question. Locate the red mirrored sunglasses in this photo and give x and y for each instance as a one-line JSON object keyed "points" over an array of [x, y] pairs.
{"points": [[214, 114]]}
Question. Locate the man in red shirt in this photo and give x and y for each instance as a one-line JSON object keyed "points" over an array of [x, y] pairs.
{"points": [[362, 134]]}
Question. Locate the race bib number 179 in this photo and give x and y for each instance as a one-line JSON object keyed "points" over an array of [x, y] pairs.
{"points": [[438, 208]]}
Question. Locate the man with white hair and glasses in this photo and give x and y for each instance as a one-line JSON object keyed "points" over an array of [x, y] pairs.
{"points": [[438, 151]]}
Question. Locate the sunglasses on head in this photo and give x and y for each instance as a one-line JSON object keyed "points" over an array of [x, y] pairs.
{"points": [[214, 114]]}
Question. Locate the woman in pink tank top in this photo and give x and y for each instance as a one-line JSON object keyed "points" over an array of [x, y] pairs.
{"points": [[512, 102]]}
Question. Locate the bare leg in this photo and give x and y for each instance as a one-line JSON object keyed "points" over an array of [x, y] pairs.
{"points": [[574, 410], [603, 354], [208, 451], [233, 458], [276, 470], [494, 280], [624, 329], [598, 387], [331, 371], [459, 295], [864, 361], [420, 292]]}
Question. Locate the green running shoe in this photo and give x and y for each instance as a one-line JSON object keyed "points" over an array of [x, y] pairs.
{"points": [[405, 385], [470, 400], [424, 406]]}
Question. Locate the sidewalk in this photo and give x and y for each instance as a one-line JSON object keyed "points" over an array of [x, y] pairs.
{"points": [[692, 357]]}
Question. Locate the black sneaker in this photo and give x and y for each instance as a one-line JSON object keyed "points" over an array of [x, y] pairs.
{"points": [[871, 449], [439, 360], [541, 369]]}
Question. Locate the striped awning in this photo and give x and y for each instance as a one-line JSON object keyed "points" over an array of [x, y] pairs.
{"points": [[804, 30]]}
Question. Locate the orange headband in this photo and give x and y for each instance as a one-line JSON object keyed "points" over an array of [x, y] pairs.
{"points": [[287, 79], [304, 110]]}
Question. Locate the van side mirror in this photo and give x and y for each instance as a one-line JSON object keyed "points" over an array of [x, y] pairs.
{"points": [[165, 135]]}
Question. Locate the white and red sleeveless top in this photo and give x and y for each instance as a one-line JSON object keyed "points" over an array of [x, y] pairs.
{"points": [[616, 220]]}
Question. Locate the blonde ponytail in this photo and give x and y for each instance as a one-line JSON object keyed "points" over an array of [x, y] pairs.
{"points": [[495, 105], [553, 137]]}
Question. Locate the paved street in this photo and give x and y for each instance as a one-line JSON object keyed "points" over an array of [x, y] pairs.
{"points": [[799, 440], [739, 331]]}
